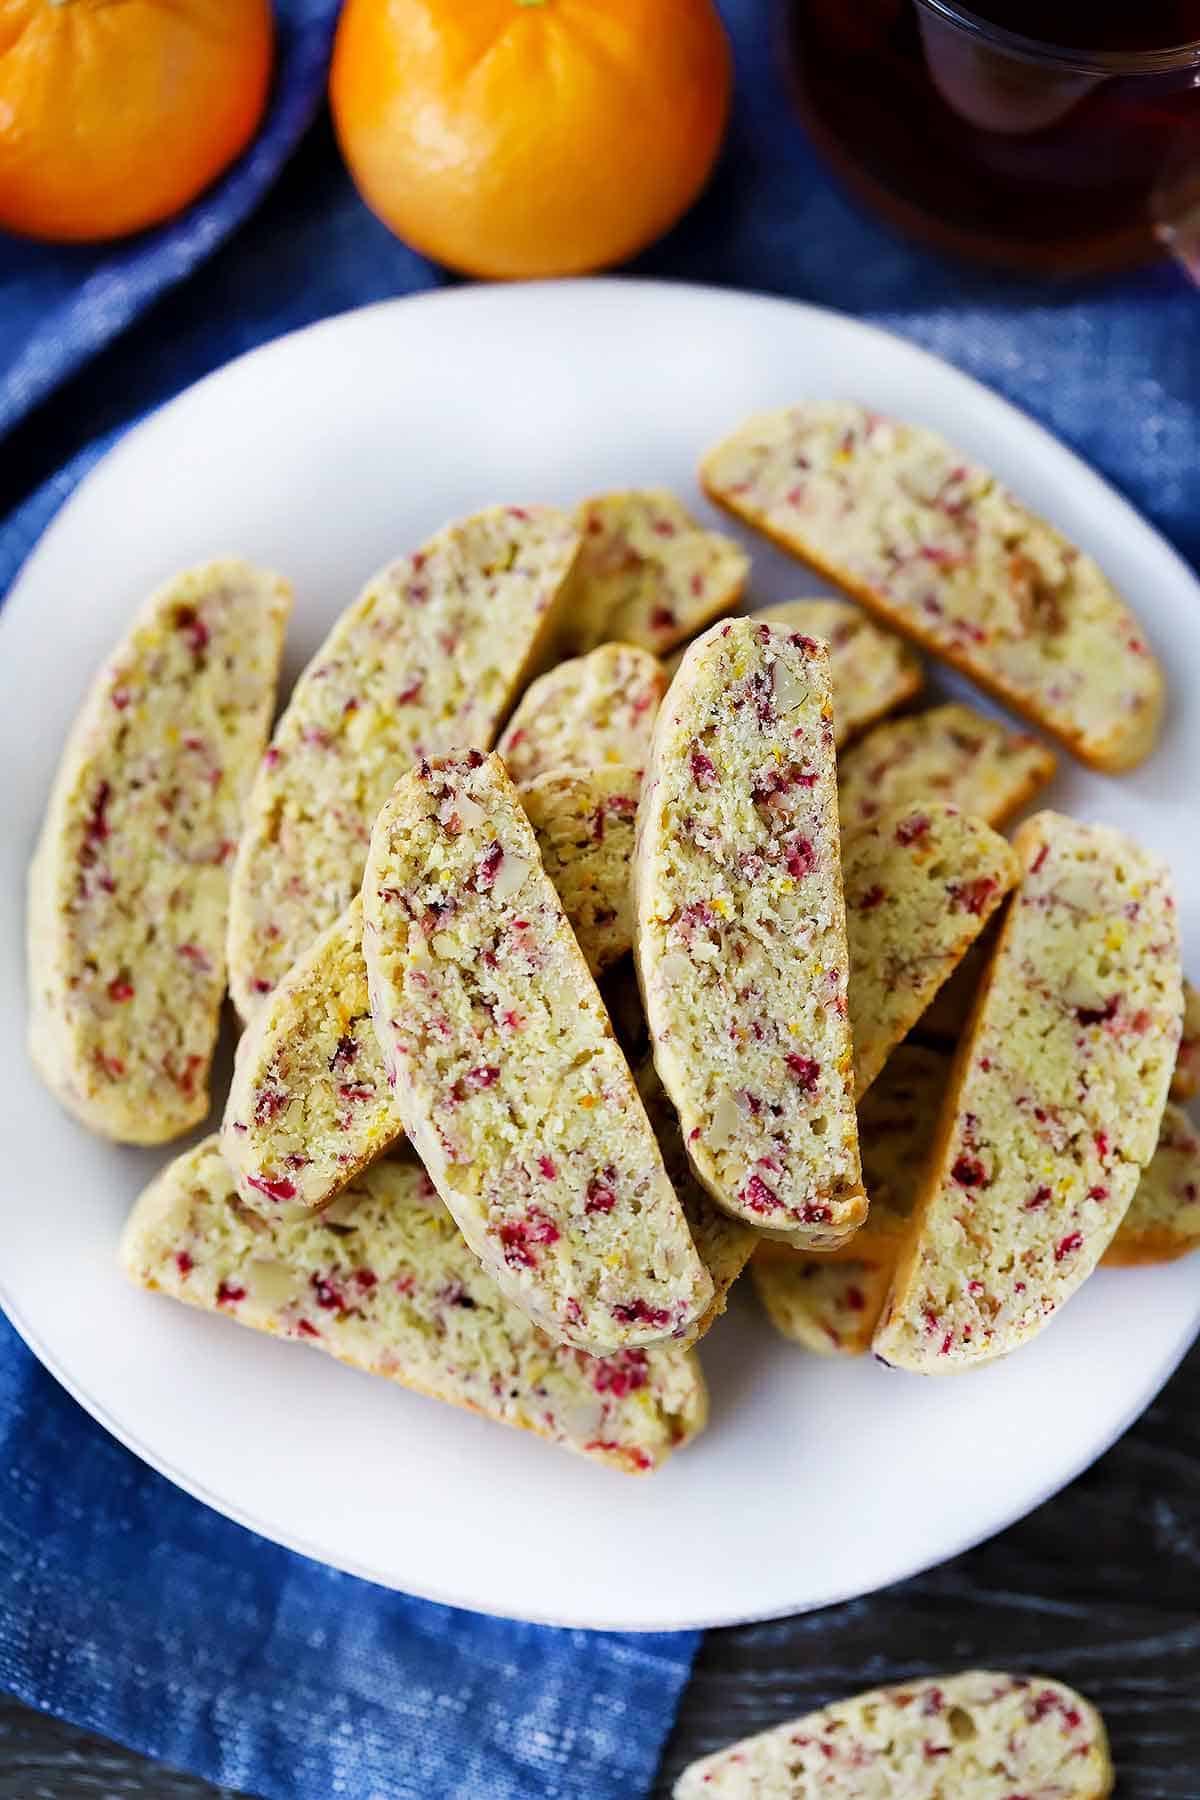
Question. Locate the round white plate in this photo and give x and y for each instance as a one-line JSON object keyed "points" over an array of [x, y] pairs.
{"points": [[324, 454]]}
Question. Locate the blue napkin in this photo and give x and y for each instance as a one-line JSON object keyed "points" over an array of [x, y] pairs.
{"points": [[124, 1605]]}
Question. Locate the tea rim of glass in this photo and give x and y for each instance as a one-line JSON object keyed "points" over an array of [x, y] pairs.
{"points": [[1062, 56]]}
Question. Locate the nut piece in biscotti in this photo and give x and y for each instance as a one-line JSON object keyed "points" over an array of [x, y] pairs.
{"points": [[741, 932], [921, 882], [948, 753], [382, 1279], [975, 1736], [1163, 1221], [129, 888], [309, 1104], [1054, 1105], [507, 1076], [873, 670], [588, 713], [429, 656], [648, 574], [724, 1245], [937, 548], [828, 1307], [1186, 1079], [585, 825]]}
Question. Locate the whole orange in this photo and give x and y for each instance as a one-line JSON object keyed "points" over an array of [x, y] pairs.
{"points": [[530, 137], [115, 113]]}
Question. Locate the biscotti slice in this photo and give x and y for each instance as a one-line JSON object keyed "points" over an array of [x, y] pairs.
{"points": [[1163, 1221], [920, 883], [648, 574], [724, 1245], [948, 753], [1054, 1104], [590, 712], [828, 1307], [1186, 1079], [741, 933], [309, 1104], [507, 1076], [129, 888], [429, 656], [383, 1280], [873, 670], [976, 1736], [937, 548]]}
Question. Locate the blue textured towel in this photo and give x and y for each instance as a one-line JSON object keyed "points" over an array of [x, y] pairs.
{"points": [[125, 1605]]}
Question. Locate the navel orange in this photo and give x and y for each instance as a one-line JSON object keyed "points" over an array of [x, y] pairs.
{"points": [[530, 137]]}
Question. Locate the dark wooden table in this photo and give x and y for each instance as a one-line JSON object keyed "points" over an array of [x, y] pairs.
{"points": [[1100, 1587]]}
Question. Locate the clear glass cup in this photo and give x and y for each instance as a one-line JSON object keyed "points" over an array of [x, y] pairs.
{"points": [[1054, 138]]}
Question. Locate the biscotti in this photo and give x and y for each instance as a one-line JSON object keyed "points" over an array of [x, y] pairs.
{"points": [[873, 671], [383, 1280], [506, 1074], [976, 1736], [1163, 1221], [1054, 1104], [648, 574], [920, 884], [590, 712], [741, 935], [937, 548], [430, 656], [129, 888], [309, 1104], [948, 753], [1186, 1079], [828, 1307]]}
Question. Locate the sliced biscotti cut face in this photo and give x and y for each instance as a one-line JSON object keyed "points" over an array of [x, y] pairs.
{"points": [[828, 1307], [383, 1280], [939, 549], [741, 935], [1054, 1104], [873, 670], [949, 753], [1163, 1221], [585, 824], [507, 1076], [648, 574], [431, 655], [309, 1104], [724, 1245], [129, 887], [1186, 1080], [590, 712], [920, 883], [973, 1736]]}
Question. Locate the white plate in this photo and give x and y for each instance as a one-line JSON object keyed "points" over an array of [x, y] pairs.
{"points": [[324, 454]]}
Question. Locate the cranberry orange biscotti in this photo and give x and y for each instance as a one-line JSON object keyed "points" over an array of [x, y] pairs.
{"points": [[648, 574], [309, 1104], [1186, 1080], [937, 548], [948, 753], [129, 888], [1163, 1221], [828, 1307], [873, 670], [920, 884], [741, 932], [430, 655], [1054, 1103], [976, 1736], [587, 713], [506, 1074], [383, 1280]]}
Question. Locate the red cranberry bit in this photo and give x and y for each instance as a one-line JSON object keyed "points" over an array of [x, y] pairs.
{"points": [[260, 986], [800, 858], [909, 830], [304, 1329], [120, 991], [704, 773], [805, 1069], [329, 1298], [947, 1341], [637, 1459], [974, 895], [662, 618], [621, 1375], [968, 1171], [228, 1294], [97, 827], [760, 690], [270, 1103], [758, 1196], [601, 1195], [121, 698], [1097, 1193], [856, 1300], [874, 896], [976, 1289], [1073, 1241], [489, 865], [347, 1050], [1037, 1199], [346, 1092], [812, 1214], [183, 1262], [186, 1081], [485, 1076], [547, 1167], [1039, 859], [193, 627], [1099, 1015], [199, 959], [932, 1750], [1102, 1145], [640, 1312], [271, 757], [519, 1237], [274, 1190]]}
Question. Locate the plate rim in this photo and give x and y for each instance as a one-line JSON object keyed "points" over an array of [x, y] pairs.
{"points": [[1095, 489]]}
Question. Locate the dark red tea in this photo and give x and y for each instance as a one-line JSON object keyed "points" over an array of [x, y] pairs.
{"points": [[1043, 136]]}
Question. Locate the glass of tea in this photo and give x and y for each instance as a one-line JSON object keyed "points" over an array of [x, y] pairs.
{"points": [[1057, 136]]}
